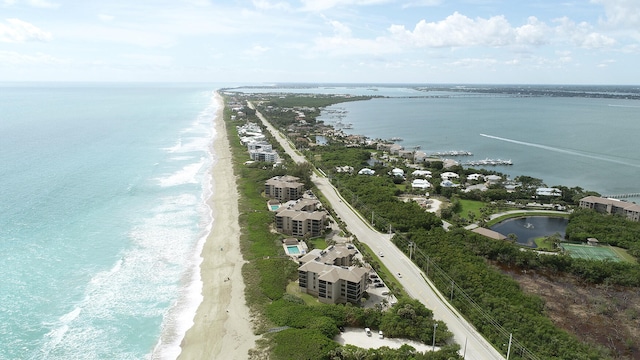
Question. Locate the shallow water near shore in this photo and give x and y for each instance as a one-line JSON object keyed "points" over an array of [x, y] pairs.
{"points": [[103, 217]]}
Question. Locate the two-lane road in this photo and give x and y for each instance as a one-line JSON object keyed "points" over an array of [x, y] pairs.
{"points": [[414, 281]]}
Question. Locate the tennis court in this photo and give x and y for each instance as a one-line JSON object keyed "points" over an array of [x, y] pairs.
{"points": [[590, 252]]}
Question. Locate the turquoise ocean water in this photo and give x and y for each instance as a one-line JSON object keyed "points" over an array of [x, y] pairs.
{"points": [[103, 189], [102, 218]]}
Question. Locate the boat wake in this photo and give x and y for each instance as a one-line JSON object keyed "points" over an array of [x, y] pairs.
{"points": [[560, 150]]}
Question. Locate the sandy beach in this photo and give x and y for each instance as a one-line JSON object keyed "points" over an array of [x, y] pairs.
{"points": [[222, 326]]}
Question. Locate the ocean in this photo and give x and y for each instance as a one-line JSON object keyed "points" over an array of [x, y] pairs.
{"points": [[103, 209], [103, 217]]}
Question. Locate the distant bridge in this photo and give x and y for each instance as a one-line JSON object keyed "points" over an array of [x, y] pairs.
{"points": [[622, 196]]}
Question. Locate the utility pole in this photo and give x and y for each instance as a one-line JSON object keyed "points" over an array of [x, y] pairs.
{"points": [[509, 348], [433, 346]]}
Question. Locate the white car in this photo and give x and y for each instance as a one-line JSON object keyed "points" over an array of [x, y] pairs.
{"points": [[399, 275], [381, 254]]}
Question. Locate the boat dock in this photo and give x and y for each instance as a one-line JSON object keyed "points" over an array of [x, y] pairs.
{"points": [[488, 162]]}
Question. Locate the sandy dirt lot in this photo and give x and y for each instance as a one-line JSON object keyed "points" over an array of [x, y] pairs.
{"points": [[357, 337]]}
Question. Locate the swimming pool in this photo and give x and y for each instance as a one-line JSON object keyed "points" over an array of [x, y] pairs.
{"points": [[274, 207], [293, 250]]}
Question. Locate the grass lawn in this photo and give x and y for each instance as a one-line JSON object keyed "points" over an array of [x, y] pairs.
{"points": [[544, 243], [622, 253], [471, 206], [294, 289], [318, 243]]}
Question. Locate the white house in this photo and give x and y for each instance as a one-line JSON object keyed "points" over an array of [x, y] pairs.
{"points": [[449, 175], [397, 172], [420, 184], [423, 173], [448, 183], [493, 179], [366, 171], [548, 192], [475, 177]]}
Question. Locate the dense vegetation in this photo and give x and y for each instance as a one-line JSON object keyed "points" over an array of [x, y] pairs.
{"points": [[608, 229], [461, 263], [304, 331]]}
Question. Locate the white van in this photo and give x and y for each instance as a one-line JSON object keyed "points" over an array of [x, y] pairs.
{"points": [[367, 331], [380, 334]]}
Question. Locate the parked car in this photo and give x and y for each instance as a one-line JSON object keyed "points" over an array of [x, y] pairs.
{"points": [[367, 331], [378, 285]]}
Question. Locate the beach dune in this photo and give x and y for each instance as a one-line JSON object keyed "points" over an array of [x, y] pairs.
{"points": [[222, 326]]}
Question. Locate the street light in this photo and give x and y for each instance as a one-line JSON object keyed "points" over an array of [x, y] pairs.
{"points": [[433, 346]]}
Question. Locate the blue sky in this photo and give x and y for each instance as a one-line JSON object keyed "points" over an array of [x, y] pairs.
{"points": [[346, 41]]}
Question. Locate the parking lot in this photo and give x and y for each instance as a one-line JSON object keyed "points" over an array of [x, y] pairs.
{"points": [[357, 337]]}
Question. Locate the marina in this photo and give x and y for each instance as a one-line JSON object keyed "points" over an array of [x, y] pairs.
{"points": [[488, 162], [451, 153]]}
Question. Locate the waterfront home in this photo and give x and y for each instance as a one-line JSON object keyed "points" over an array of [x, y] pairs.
{"points": [[548, 192], [328, 275], [395, 149], [611, 206], [475, 177], [493, 179]]}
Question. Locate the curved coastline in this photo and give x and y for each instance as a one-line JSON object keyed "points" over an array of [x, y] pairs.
{"points": [[221, 325]]}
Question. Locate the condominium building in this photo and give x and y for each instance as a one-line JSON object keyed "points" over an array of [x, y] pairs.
{"points": [[284, 188], [328, 274], [300, 218], [611, 206]]}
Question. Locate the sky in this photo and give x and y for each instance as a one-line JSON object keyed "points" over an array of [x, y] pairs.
{"points": [[322, 41]]}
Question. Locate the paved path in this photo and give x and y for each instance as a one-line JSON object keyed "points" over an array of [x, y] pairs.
{"points": [[414, 281]]}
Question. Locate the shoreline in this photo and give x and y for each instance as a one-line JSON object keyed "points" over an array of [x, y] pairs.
{"points": [[222, 323]]}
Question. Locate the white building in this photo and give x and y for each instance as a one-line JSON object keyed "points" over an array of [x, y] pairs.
{"points": [[397, 172], [422, 173], [420, 184], [449, 175], [366, 171]]}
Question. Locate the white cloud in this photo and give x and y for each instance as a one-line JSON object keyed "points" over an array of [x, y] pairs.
{"points": [[15, 58], [106, 18], [421, 3], [18, 31], [621, 13], [475, 63], [44, 4], [582, 34], [321, 5], [269, 5], [457, 30], [256, 50], [606, 63], [340, 29]]}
